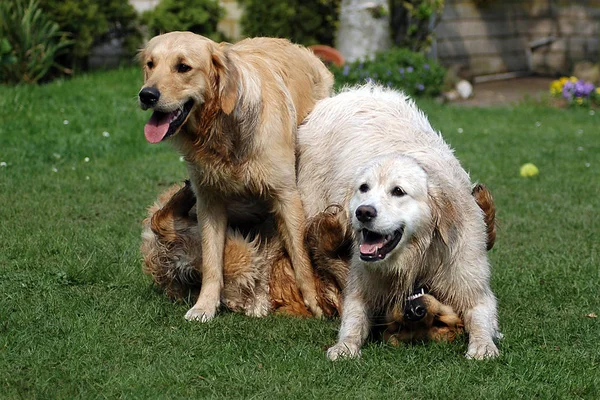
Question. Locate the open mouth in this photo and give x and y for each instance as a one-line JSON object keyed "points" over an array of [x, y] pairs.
{"points": [[161, 125], [376, 247]]}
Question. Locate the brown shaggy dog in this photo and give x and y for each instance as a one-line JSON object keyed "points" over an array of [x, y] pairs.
{"points": [[233, 112], [258, 277]]}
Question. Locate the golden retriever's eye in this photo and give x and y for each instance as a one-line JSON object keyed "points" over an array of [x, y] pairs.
{"points": [[182, 68], [150, 64], [364, 188], [398, 192]]}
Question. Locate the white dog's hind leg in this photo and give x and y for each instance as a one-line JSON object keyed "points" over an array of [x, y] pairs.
{"points": [[481, 323]]}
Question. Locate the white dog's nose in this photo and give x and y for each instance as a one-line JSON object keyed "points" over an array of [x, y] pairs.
{"points": [[365, 213]]}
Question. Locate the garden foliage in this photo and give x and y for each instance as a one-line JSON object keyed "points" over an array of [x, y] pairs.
{"points": [[413, 22], [198, 16], [305, 22], [30, 42], [91, 22], [403, 69]]}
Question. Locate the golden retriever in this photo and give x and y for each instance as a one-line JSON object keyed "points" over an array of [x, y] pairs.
{"points": [[415, 220], [233, 112]]}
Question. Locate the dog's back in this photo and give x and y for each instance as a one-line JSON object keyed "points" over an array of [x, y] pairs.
{"points": [[296, 66]]}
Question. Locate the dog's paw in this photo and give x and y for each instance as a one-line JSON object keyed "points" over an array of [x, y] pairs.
{"points": [[259, 308], [200, 314], [314, 308], [343, 350], [481, 351]]}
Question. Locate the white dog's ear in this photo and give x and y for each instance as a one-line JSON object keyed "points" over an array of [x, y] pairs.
{"points": [[228, 77], [444, 215]]}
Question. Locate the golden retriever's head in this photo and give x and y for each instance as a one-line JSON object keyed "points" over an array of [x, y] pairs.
{"points": [[182, 73]]}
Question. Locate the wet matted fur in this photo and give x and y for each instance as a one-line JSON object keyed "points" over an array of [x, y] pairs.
{"points": [[415, 220], [233, 112]]}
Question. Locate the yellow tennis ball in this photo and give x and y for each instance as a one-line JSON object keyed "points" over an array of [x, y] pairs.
{"points": [[528, 170]]}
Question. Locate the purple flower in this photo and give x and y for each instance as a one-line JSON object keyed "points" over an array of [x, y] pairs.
{"points": [[583, 89], [369, 80], [420, 87], [346, 70], [568, 90], [426, 66], [388, 73], [409, 69], [401, 70]]}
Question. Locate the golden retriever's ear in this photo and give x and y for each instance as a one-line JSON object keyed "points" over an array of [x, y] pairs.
{"points": [[228, 77], [444, 216]]}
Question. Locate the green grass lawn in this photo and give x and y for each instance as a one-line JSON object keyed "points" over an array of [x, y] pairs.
{"points": [[78, 319]]}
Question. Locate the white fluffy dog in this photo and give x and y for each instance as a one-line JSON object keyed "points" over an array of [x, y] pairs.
{"points": [[414, 219]]}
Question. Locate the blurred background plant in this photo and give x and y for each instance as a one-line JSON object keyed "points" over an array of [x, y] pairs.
{"points": [[91, 22], [399, 68], [305, 22], [30, 43], [575, 92], [198, 16], [414, 22]]}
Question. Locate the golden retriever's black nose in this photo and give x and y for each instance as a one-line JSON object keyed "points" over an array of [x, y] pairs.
{"points": [[149, 96], [414, 311], [365, 213]]}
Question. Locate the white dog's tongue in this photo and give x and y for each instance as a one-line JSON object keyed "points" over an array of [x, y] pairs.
{"points": [[369, 248], [372, 242], [157, 126]]}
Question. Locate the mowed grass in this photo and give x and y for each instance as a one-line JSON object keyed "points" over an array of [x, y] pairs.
{"points": [[78, 319]]}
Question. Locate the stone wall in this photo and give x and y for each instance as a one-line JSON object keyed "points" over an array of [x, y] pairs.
{"points": [[502, 36]]}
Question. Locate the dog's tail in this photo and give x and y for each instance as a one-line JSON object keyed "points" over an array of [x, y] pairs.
{"points": [[485, 201]]}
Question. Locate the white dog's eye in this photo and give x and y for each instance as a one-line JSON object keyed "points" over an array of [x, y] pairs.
{"points": [[183, 68], [398, 192], [364, 188], [150, 64]]}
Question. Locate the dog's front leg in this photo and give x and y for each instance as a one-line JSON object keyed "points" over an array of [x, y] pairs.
{"points": [[355, 322], [481, 323], [212, 222], [291, 226]]}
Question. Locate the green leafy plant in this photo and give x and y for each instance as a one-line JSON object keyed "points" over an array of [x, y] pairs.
{"points": [[413, 22], [6, 56], [403, 69], [30, 44], [91, 22], [306, 22], [199, 16]]}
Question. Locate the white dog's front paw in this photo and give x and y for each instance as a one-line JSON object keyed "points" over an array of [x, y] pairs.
{"points": [[200, 314], [480, 351], [343, 350]]}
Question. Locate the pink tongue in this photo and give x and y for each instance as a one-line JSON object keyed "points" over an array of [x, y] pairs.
{"points": [[370, 248], [157, 126]]}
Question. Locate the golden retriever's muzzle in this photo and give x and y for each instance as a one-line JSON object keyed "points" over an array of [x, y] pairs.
{"points": [[162, 124]]}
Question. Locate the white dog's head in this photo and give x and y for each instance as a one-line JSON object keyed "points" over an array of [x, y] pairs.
{"points": [[390, 205]]}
